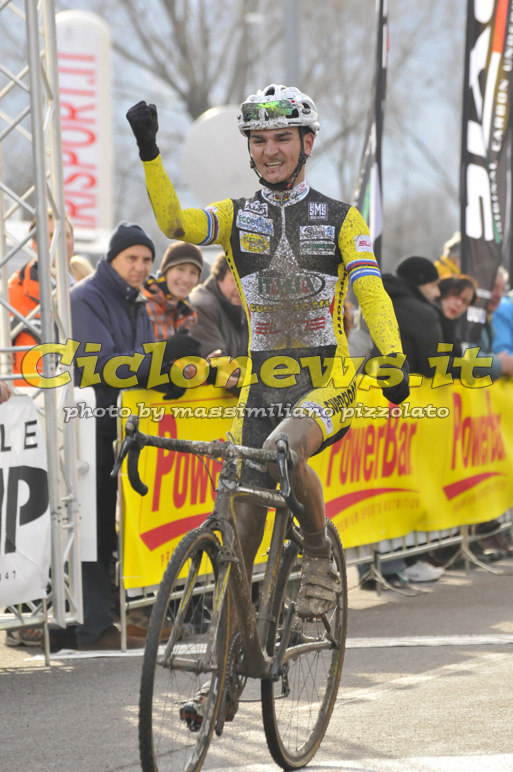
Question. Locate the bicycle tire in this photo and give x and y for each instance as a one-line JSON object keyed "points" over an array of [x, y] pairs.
{"points": [[165, 740], [293, 730]]}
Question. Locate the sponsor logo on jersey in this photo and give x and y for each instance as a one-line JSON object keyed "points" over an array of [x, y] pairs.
{"points": [[302, 305], [260, 207], [317, 210], [317, 232], [342, 400], [254, 242], [249, 221], [317, 248], [300, 286], [363, 243], [319, 412]]}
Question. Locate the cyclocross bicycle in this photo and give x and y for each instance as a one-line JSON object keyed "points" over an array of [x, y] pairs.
{"points": [[299, 662]]}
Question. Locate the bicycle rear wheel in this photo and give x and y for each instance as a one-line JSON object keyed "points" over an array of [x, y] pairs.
{"points": [[193, 602], [297, 707]]}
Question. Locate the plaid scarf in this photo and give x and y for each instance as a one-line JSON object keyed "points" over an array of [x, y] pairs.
{"points": [[167, 314]]}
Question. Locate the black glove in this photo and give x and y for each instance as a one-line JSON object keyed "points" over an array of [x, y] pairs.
{"points": [[144, 123], [174, 392], [178, 346], [401, 391], [170, 390]]}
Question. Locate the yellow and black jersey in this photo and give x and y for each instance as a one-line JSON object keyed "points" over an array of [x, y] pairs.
{"points": [[292, 255]]}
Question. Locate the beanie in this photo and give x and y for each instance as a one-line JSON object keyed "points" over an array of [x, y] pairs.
{"points": [[126, 235], [418, 270], [181, 252]]}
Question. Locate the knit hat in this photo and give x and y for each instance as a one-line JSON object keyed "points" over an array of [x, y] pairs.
{"points": [[126, 235], [181, 252], [418, 270]]}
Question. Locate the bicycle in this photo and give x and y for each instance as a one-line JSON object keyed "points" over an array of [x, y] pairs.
{"points": [[299, 662]]}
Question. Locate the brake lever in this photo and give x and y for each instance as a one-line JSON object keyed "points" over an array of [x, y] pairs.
{"points": [[286, 460], [131, 447]]}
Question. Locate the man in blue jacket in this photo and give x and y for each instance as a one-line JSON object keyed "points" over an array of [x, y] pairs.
{"points": [[108, 311]]}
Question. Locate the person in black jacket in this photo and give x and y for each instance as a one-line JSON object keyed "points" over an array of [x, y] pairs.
{"points": [[109, 311], [221, 324], [412, 290]]}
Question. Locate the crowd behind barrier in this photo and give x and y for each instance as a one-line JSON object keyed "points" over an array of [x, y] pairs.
{"points": [[405, 479]]}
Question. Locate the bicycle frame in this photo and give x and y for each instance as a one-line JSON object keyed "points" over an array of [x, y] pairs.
{"points": [[253, 627]]}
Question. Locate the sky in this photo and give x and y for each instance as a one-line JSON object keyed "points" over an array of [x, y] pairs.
{"points": [[420, 151]]}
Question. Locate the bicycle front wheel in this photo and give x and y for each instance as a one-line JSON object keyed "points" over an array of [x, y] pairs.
{"points": [[297, 707], [192, 603]]}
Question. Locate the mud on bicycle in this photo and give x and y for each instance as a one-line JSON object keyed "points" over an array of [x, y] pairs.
{"points": [[297, 661]]}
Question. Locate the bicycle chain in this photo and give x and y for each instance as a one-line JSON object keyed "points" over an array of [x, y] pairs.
{"points": [[235, 683]]}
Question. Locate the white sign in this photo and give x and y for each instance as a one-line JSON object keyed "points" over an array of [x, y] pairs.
{"points": [[85, 401], [84, 59], [216, 161], [25, 534]]}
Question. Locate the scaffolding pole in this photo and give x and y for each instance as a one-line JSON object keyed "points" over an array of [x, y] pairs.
{"points": [[29, 109]]}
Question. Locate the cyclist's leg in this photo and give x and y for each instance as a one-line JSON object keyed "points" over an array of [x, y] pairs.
{"points": [[321, 583], [310, 429]]}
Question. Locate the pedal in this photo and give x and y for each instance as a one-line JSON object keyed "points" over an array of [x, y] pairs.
{"points": [[192, 718]]}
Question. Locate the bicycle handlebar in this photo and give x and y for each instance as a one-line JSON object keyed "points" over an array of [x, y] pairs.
{"points": [[135, 440]]}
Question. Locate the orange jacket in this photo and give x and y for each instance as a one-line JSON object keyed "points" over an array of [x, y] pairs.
{"points": [[24, 297]]}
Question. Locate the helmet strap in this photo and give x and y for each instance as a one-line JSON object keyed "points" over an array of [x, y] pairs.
{"points": [[284, 184]]}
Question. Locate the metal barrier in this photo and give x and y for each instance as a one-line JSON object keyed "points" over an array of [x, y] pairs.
{"points": [[372, 555]]}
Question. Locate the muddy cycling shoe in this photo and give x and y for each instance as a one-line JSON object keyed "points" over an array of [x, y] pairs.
{"points": [[193, 710], [320, 587], [26, 636]]}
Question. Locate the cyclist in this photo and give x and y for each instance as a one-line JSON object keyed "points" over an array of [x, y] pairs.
{"points": [[292, 252]]}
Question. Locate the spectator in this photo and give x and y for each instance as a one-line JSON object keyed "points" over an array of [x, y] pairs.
{"points": [[80, 267], [450, 261], [457, 293], [221, 326], [24, 291], [5, 391], [413, 289], [503, 321], [502, 362], [108, 309], [167, 294], [496, 341]]}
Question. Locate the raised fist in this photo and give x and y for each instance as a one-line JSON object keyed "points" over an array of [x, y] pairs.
{"points": [[144, 123]]}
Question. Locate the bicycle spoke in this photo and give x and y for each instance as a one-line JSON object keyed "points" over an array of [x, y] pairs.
{"points": [[297, 708], [171, 738]]}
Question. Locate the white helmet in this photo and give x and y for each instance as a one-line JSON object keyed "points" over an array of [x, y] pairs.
{"points": [[277, 107]]}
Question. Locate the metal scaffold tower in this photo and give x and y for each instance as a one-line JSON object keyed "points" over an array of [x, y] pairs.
{"points": [[30, 122]]}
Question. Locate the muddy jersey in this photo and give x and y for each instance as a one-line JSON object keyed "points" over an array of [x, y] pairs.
{"points": [[292, 255], [286, 254]]}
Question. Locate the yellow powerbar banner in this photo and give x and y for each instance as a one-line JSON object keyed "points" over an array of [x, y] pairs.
{"points": [[440, 460]]}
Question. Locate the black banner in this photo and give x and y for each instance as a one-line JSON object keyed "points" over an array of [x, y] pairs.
{"points": [[485, 153], [367, 196]]}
